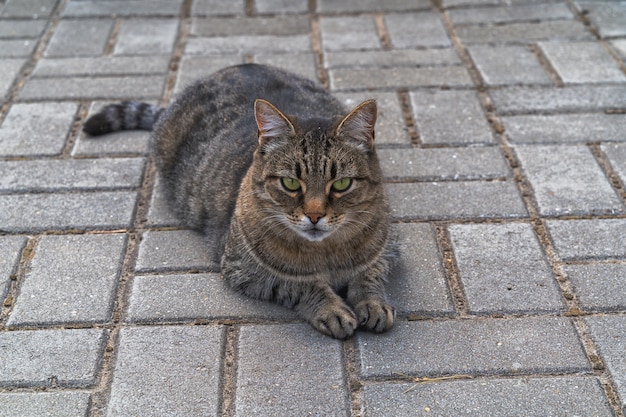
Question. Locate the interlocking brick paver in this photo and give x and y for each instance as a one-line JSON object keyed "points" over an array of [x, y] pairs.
{"points": [[37, 212], [71, 279], [10, 251], [503, 269], [39, 358], [345, 33], [278, 363], [174, 250], [217, 7], [620, 47], [21, 28], [568, 180], [432, 164], [609, 333], [331, 6], [513, 13], [301, 63], [565, 128], [393, 58], [492, 397], [159, 213], [247, 44], [167, 371], [417, 282], [193, 68], [98, 66], [58, 404], [609, 17], [589, 239], [483, 346], [455, 200], [36, 129], [134, 142], [16, 48], [146, 37], [582, 62], [281, 6], [80, 38], [274, 26], [9, 68], [79, 8], [616, 154], [193, 296], [599, 286], [508, 65], [411, 30], [522, 33], [397, 77], [450, 117], [31, 9]]}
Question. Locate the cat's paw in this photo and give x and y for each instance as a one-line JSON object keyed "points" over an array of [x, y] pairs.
{"points": [[335, 320], [375, 315]]}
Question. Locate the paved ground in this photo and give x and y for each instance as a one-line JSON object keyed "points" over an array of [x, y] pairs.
{"points": [[502, 133]]}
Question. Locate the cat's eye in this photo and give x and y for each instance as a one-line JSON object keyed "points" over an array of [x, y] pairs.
{"points": [[342, 184], [290, 184]]}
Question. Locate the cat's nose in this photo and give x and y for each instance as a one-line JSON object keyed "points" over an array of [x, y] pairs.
{"points": [[315, 217]]}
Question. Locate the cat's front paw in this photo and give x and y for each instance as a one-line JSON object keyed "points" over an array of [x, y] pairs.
{"points": [[336, 320], [375, 315]]}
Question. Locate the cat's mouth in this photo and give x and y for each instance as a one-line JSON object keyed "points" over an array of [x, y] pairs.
{"points": [[313, 233]]}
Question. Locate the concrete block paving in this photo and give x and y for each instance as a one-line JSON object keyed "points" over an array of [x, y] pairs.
{"points": [[502, 139]]}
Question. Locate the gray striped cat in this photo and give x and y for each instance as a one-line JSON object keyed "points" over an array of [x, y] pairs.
{"points": [[285, 183]]}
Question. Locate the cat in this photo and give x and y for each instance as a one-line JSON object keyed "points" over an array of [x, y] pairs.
{"points": [[285, 182]]}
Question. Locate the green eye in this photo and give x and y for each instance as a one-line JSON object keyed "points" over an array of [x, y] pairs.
{"points": [[342, 184], [290, 184]]}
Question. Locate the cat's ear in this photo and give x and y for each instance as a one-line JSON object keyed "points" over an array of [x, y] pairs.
{"points": [[358, 125], [271, 123]]}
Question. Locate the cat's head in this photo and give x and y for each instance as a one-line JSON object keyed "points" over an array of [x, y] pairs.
{"points": [[317, 178]]}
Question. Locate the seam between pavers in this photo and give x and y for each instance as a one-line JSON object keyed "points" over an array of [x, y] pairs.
{"points": [[24, 261]]}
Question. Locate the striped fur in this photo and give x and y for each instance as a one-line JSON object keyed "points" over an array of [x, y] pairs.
{"points": [[128, 115]]}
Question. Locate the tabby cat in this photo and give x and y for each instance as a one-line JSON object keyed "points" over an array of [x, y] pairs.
{"points": [[292, 199]]}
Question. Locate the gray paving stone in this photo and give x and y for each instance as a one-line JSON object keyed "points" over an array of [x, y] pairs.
{"points": [[555, 396], [279, 363], [457, 3], [455, 200], [609, 17], [302, 63], [432, 164], [9, 70], [90, 88], [10, 252], [332, 6], [37, 212], [523, 33], [21, 28], [81, 8], [393, 58], [217, 7], [620, 47], [58, 404], [589, 239], [351, 32], [503, 269], [282, 6], [86, 37], [36, 129], [39, 358], [133, 142], [390, 127], [616, 154], [582, 62], [106, 65], [71, 174], [31, 9], [247, 44], [566, 99], [167, 371], [511, 13], [193, 68], [412, 30], [195, 296], [450, 117], [72, 279], [146, 37], [417, 282], [17, 48], [397, 77], [236, 26], [565, 128], [477, 346], [609, 334], [567, 180], [599, 286], [500, 65], [174, 250], [159, 213]]}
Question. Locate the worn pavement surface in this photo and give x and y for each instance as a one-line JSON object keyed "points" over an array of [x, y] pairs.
{"points": [[502, 134]]}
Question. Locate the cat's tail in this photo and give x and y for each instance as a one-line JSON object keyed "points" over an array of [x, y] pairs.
{"points": [[128, 115]]}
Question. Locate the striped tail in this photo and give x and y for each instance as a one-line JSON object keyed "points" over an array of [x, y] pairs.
{"points": [[128, 115]]}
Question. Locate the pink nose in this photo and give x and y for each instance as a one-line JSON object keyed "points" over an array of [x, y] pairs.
{"points": [[315, 217]]}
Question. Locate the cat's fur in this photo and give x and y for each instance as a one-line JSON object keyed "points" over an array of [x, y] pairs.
{"points": [[222, 149]]}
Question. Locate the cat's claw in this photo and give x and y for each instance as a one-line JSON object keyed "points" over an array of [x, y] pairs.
{"points": [[375, 315], [337, 321]]}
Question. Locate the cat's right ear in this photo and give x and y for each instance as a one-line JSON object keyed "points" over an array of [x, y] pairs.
{"points": [[272, 124]]}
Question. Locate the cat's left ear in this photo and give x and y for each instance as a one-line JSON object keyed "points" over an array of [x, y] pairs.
{"points": [[358, 125], [272, 123]]}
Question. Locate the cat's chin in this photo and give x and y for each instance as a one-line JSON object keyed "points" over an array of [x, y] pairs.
{"points": [[313, 235]]}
